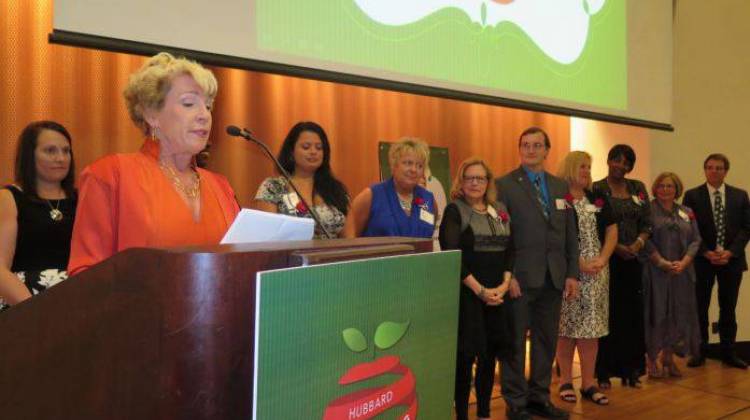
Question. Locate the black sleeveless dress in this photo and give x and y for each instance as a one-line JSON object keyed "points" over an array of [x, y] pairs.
{"points": [[42, 244]]}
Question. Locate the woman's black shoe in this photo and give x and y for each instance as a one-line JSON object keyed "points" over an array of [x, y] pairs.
{"points": [[633, 381]]}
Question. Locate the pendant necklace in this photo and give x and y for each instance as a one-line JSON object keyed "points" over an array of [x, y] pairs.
{"points": [[405, 204], [54, 212]]}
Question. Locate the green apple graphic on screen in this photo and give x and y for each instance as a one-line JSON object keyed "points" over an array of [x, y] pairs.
{"points": [[558, 27], [371, 402]]}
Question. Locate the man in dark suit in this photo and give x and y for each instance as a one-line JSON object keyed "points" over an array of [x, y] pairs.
{"points": [[546, 270], [723, 216]]}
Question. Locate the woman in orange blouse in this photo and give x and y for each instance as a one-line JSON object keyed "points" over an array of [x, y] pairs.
{"points": [[156, 197]]}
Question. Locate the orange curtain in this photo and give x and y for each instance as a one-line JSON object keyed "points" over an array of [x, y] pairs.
{"points": [[81, 89]]}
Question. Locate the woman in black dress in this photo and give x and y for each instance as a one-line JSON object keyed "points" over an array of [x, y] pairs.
{"points": [[480, 227], [37, 213], [622, 352]]}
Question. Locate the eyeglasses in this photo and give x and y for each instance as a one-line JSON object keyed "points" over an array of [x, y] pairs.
{"points": [[666, 186], [477, 179], [532, 146]]}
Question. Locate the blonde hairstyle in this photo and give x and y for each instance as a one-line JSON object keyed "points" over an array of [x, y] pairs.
{"points": [[671, 175], [456, 188], [568, 169], [148, 87], [409, 145]]}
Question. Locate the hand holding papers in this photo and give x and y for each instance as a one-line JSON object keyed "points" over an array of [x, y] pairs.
{"points": [[260, 226]]}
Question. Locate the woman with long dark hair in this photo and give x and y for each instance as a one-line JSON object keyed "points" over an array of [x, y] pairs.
{"points": [[306, 156], [37, 213]]}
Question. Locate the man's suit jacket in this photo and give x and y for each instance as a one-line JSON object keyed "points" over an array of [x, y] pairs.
{"points": [[541, 245], [737, 223]]}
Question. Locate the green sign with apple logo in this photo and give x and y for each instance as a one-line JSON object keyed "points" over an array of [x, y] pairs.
{"points": [[368, 339]]}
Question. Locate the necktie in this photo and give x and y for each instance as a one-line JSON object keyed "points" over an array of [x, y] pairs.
{"points": [[720, 219], [540, 195]]}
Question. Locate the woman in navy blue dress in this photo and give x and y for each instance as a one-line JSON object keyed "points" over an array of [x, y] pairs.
{"points": [[397, 206]]}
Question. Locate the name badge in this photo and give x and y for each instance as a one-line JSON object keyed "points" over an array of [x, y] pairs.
{"points": [[492, 212], [426, 216], [683, 215], [592, 208], [290, 200], [561, 204]]}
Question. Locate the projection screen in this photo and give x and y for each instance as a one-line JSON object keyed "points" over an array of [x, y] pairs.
{"points": [[603, 59]]}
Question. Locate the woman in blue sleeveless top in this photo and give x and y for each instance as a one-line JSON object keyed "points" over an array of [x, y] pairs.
{"points": [[397, 206]]}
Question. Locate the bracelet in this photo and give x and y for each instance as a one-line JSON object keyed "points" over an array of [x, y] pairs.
{"points": [[480, 293]]}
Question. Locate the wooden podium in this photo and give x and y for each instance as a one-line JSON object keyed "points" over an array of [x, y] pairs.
{"points": [[152, 333]]}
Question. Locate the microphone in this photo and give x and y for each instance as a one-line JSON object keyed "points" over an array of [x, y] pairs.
{"points": [[246, 134], [235, 131]]}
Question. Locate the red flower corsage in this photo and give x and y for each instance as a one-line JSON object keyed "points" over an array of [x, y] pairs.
{"points": [[503, 216], [569, 198], [642, 196], [599, 203], [691, 215], [301, 208], [418, 201]]}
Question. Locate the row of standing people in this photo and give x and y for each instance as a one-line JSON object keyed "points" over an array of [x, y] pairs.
{"points": [[150, 197], [638, 297]]}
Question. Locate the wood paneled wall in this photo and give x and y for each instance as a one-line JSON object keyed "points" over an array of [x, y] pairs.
{"points": [[82, 88]]}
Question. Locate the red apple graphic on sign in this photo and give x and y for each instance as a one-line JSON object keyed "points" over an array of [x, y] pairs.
{"points": [[370, 402]]}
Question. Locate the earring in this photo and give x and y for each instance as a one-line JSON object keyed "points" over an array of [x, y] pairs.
{"points": [[153, 134]]}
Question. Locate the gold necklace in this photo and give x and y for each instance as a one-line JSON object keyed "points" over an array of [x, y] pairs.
{"points": [[192, 191], [54, 212]]}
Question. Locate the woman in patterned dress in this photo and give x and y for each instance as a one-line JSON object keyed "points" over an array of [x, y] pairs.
{"points": [[584, 319], [37, 213], [306, 156], [669, 279]]}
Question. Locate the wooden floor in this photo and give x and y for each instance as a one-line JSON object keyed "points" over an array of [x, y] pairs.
{"points": [[709, 392]]}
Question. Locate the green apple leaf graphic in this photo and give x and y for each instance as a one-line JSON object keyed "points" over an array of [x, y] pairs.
{"points": [[586, 7], [388, 333], [484, 14], [355, 340]]}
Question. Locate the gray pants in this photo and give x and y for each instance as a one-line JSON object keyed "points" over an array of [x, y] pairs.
{"points": [[537, 310]]}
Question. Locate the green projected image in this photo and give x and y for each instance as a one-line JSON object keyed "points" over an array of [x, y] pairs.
{"points": [[572, 50]]}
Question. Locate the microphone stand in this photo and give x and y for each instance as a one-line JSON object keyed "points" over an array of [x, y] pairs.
{"points": [[248, 135]]}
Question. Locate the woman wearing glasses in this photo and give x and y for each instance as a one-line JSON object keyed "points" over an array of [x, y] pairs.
{"points": [[669, 279], [480, 227]]}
